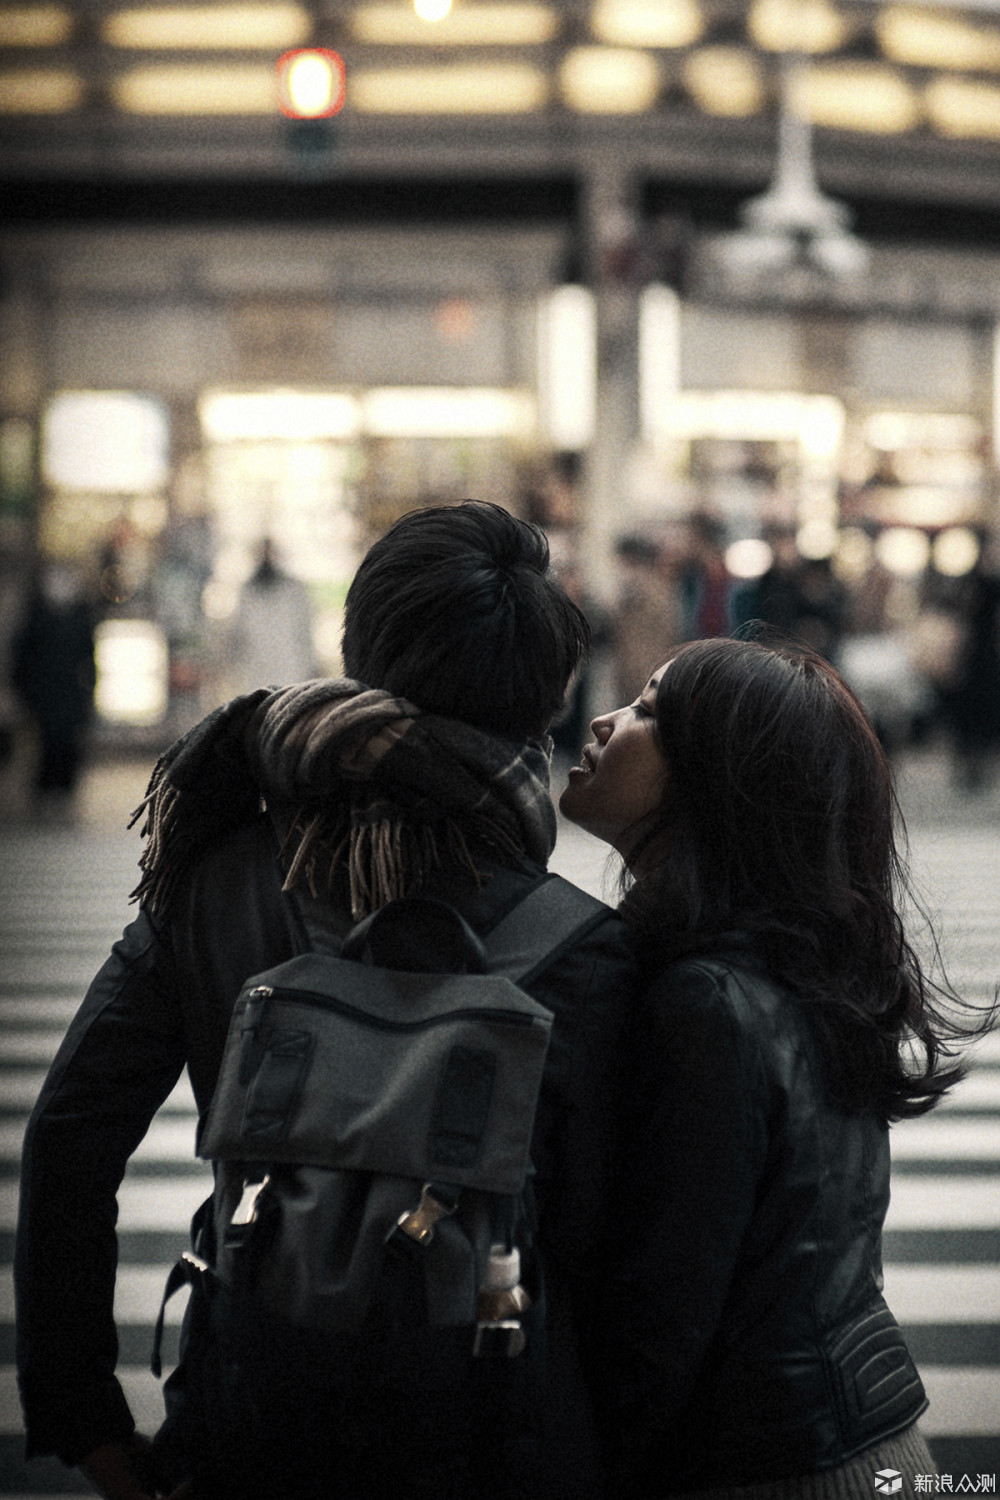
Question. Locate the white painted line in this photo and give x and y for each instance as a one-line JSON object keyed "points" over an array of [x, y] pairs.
{"points": [[30, 1046], [167, 1140], [980, 1090], [138, 1294], [162, 1204], [26, 1009], [971, 1202], [946, 1140], [965, 1401], [944, 1294], [987, 1050], [20, 1087]]}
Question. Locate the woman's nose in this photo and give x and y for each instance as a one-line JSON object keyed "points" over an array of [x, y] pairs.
{"points": [[601, 727]]}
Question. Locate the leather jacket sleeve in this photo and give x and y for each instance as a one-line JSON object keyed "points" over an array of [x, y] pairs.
{"points": [[686, 1198], [119, 1060], [750, 1339]]}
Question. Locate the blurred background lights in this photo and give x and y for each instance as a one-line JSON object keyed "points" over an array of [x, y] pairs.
{"points": [[609, 80], [955, 552], [36, 25], [904, 550], [646, 23], [106, 441], [854, 555], [293, 416], [311, 83], [432, 10], [40, 91], [797, 25], [749, 558], [195, 89], [724, 81], [817, 539], [930, 39], [567, 366], [501, 88], [132, 672], [267, 27], [859, 96], [500, 23], [963, 108]]}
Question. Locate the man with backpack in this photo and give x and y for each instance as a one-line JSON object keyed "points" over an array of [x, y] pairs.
{"points": [[402, 1037]]}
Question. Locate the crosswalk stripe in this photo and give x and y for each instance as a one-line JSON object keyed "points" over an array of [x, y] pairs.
{"points": [[20, 1087], [965, 1401], [944, 1217], [927, 1202], [930, 1138], [927, 1293]]}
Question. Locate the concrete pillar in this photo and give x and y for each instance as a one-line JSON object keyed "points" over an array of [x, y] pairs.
{"points": [[613, 262]]}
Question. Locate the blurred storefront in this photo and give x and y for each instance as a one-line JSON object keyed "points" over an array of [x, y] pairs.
{"points": [[572, 257]]}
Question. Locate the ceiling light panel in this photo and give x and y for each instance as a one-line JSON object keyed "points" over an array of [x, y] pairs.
{"points": [[963, 108], [35, 26], [196, 89], [928, 39], [646, 23], [473, 89], [797, 25], [609, 80], [210, 27], [724, 81], [858, 96], [501, 25], [39, 91]]}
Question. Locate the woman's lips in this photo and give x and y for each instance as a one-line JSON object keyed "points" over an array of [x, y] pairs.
{"points": [[586, 766]]}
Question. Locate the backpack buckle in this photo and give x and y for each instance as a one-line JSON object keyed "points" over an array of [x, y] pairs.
{"points": [[246, 1211], [436, 1202]]}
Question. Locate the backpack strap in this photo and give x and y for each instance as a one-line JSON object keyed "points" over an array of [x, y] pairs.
{"points": [[544, 924]]}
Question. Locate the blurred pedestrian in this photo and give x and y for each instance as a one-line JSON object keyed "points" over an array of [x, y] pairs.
{"points": [[271, 640], [646, 618], [707, 583], [53, 672], [972, 703]]}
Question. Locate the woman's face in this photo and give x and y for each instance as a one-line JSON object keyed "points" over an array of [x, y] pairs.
{"points": [[621, 775]]}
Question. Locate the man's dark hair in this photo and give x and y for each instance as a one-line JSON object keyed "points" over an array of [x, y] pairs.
{"points": [[455, 609]]}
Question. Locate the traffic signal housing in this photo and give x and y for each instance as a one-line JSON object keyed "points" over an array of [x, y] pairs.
{"points": [[312, 83]]}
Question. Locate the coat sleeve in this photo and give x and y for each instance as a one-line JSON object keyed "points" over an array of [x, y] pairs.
{"points": [[120, 1058], [694, 1144]]}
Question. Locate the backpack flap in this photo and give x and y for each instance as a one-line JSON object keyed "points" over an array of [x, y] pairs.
{"points": [[301, 1081]]}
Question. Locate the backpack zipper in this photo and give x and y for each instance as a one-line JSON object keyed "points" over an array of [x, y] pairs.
{"points": [[261, 993]]}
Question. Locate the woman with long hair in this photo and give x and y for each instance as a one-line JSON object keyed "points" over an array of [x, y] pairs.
{"points": [[787, 1022]]}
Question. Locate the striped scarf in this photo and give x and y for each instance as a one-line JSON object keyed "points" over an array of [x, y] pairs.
{"points": [[365, 783]]}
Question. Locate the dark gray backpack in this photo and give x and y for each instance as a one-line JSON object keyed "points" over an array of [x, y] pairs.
{"points": [[370, 1242]]}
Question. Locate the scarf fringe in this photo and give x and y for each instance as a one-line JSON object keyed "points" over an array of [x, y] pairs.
{"points": [[168, 847], [382, 825]]}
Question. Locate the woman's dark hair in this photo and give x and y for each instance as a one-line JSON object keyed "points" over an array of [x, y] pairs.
{"points": [[455, 609], [778, 820]]}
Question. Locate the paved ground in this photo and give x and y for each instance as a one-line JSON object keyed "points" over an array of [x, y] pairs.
{"points": [[63, 900]]}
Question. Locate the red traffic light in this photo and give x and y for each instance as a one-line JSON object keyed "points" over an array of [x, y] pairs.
{"points": [[312, 83]]}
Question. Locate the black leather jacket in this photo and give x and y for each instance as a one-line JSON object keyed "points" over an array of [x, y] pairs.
{"points": [[752, 1338], [162, 1001]]}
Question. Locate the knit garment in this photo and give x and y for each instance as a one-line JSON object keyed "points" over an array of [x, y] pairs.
{"points": [[371, 786]]}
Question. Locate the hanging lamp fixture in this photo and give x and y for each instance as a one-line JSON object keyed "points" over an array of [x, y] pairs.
{"points": [[793, 225]]}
